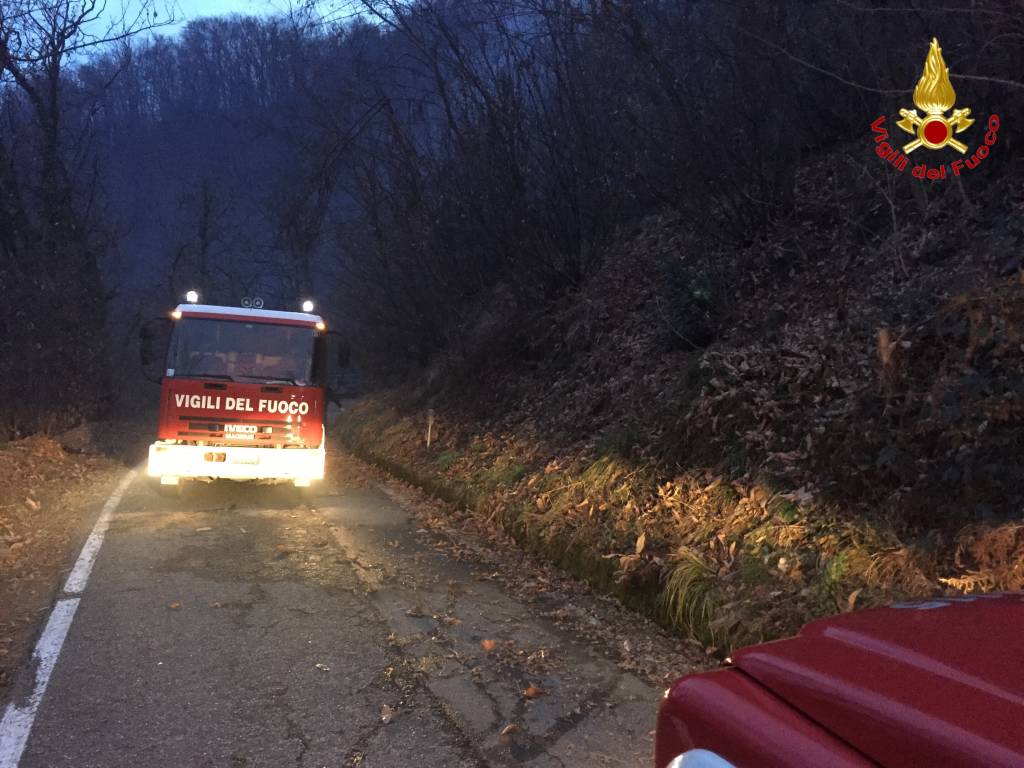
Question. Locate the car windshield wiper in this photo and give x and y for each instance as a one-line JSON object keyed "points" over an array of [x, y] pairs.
{"points": [[209, 375], [281, 380]]}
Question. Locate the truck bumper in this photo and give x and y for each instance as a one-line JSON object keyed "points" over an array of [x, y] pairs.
{"points": [[170, 461]]}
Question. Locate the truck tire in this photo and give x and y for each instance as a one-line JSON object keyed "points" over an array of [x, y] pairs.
{"points": [[169, 491], [305, 494]]}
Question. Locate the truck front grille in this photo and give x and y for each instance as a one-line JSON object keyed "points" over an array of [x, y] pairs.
{"points": [[239, 431]]}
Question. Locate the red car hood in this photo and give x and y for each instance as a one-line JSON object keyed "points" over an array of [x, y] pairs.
{"points": [[938, 683]]}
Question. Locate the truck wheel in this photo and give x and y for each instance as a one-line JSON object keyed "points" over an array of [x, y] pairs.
{"points": [[304, 494], [169, 490]]}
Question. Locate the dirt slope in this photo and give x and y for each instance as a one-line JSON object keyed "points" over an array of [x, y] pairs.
{"points": [[740, 437]]}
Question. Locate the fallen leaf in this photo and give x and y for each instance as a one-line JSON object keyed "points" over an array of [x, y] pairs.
{"points": [[174, 606], [488, 645], [533, 692], [851, 600], [387, 712], [505, 737], [641, 542], [32, 504]]}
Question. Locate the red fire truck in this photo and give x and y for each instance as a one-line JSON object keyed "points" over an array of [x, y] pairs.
{"points": [[243, 394], [936, 683]]}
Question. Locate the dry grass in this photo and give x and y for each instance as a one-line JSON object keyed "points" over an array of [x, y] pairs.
{"points": [[898, 568], [990, 559], [719, 561], [688, 596]]}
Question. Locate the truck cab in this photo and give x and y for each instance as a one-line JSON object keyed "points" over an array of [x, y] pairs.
{"points": [[243, 397]]}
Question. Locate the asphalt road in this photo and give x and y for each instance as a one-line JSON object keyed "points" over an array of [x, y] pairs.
{"points": [[240, 627]]}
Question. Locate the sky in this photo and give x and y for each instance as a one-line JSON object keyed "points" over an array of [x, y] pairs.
{"points": [[193, 9], [186, 10], [117, 12]]}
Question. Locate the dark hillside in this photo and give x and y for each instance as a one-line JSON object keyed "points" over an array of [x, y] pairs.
{"points": [[746, 437]]}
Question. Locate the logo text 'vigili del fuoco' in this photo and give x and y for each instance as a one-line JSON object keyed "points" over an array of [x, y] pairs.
{"points": [[935, 129]]}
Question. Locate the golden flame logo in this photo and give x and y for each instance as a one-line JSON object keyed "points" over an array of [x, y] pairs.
{"points": [[934, 95]]}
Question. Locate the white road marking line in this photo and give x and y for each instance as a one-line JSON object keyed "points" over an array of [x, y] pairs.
{"points": [[17, 722], [76, 582]]}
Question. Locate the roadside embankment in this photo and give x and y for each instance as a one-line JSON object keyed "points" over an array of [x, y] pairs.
{"points": [[49, 497], [737, 440]]}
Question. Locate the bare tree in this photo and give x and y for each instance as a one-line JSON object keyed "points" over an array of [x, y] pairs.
{"points": [[52, 333]]}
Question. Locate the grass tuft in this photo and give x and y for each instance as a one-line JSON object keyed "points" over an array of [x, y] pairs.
{"points": [[446, 459], [502, 474], [688, 597]]}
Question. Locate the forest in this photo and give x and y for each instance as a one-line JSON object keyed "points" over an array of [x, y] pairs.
{"points": [[422, 167]]}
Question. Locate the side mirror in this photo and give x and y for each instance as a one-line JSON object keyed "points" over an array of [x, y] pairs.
{"points": [[342, 351], [340, 374], [154, 338]]}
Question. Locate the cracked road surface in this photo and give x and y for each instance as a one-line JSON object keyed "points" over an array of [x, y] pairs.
{"points": [[239, 627]]}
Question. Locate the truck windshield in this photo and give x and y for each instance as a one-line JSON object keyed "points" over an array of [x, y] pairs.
{"points": [[235, 350]]}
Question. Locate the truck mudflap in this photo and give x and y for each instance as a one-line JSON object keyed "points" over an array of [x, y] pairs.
{"points": [[171, 462]]}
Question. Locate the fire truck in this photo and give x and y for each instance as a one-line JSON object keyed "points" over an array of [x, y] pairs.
{"points": [[935, 683], [243, 393]]}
